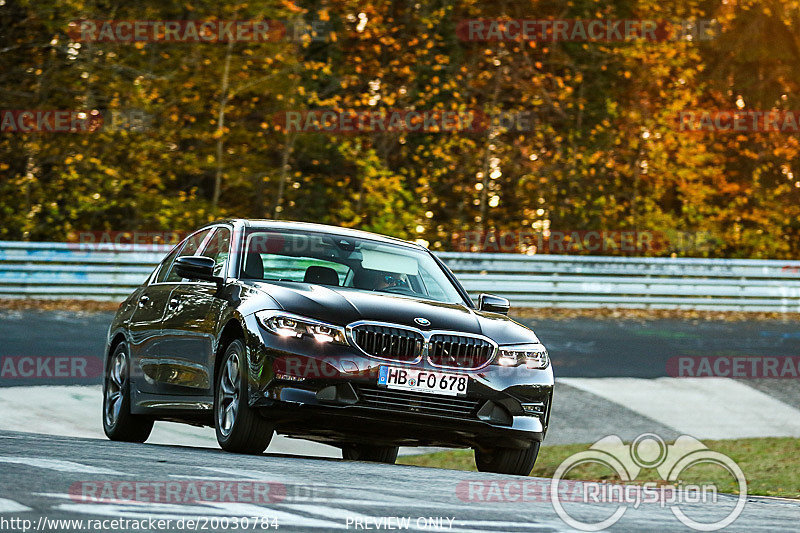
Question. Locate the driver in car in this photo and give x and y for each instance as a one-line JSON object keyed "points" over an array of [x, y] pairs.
{"points": [[384, 280], [388, 280]]}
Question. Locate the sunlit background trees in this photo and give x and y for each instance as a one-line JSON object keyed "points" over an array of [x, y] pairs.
{"points": [[604, 152]]}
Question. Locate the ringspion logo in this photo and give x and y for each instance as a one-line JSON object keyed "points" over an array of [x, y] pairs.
{"points": [[649, 451]]}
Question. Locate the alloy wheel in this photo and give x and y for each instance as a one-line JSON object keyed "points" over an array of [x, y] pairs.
{"points": [[228, 395], [115, 387]]}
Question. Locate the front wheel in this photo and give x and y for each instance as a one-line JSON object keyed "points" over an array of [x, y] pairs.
{"points": [[239, 428], [366, 452], [518, 462], [118, 422]]}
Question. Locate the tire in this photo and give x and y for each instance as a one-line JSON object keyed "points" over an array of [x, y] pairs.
{"points": [[507, 461], [240, 429], [373, 454], [118, 422]]}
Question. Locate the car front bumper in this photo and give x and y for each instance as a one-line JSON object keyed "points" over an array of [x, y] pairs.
{"points": [[329, 393]]}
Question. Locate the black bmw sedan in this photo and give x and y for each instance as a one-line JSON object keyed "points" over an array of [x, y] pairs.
{"points": [[344, 337]]}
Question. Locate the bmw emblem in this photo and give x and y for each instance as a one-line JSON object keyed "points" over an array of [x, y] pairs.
{"points": [[422, 321]]}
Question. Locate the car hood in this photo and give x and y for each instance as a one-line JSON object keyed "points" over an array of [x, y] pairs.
{"points": [[341, 306]]}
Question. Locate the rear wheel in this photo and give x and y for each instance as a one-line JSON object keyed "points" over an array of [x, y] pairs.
{"points": [[118, 422], [239, 428], [517, 462], [366, 452]]}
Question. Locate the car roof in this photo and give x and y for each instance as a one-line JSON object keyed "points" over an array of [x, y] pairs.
{"points": [[317, 228]]}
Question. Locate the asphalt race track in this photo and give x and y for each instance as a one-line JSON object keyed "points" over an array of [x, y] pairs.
{"points": [[45, 476], [611, 379], [581, 347]]}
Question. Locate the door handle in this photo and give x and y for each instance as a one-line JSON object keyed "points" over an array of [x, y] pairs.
{"points": [[143, 301], [173, 302]]}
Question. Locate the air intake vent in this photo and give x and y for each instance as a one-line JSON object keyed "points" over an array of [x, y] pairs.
{"points": [[412, 402], [394, 344], [454, 351]]}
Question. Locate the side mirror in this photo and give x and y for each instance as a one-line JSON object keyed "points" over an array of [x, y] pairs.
{"points": [[493, 304], [192, 267]]}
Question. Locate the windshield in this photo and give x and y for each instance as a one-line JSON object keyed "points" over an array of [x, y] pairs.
{"points": [[349, 262]]}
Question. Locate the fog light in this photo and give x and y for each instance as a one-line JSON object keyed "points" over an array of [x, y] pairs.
{"points": [[288, 377], [534, 409]]}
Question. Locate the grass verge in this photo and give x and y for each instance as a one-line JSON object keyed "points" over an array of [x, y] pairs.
{"points": [[771, 465], [70, 305]]}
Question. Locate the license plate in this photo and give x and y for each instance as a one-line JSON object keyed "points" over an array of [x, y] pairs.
{"points": [[423, 381]]}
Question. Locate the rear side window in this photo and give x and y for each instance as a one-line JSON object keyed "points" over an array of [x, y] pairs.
{"points": [[190, 248]]}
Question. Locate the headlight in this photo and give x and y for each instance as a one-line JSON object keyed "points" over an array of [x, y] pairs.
{"points": [[289, 325], [534, 356]]}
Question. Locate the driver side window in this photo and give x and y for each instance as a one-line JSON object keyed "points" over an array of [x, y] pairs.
{"points": [[190, 248], [217, 249], [166, 264]]}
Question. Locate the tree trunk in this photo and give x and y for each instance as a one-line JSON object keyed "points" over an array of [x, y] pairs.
{"points": [[221, 129], [284, 173]]}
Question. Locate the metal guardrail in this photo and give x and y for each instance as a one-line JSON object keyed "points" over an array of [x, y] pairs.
{"points": [[62, 270], [632, 282]]}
